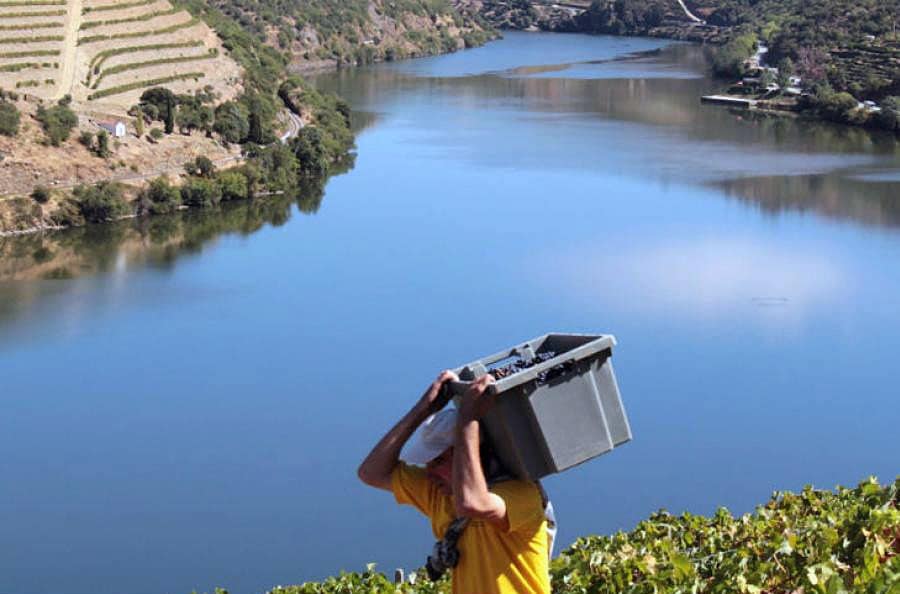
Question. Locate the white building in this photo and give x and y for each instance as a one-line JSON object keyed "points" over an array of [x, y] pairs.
{"points": [[116, 129]]}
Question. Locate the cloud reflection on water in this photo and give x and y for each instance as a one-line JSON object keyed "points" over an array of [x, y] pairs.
{"points": [[706, 278]]}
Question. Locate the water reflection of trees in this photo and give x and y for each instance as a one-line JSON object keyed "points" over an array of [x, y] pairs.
{"points": [[832, 195], [781, 161], [645, 94], [151, 241]]}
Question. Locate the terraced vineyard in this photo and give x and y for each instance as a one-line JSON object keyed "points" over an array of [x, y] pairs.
{"points": [[108, 51], [31, 43], [860, 63]]}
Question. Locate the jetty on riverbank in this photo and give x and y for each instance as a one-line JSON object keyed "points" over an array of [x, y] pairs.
{"points": [[729, 100]]}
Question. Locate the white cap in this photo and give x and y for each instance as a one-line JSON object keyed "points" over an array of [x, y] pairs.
{"points": [[433, 437]]}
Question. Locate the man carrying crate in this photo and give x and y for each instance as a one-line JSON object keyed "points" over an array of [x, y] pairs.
{"points": [[495, 537]]}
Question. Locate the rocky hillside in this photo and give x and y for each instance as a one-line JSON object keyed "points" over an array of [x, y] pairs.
{"points": [[326, 33], [654, 18], [524, 14]]}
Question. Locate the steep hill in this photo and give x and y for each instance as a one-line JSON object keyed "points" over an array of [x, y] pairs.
{"points": [[854, 43], [323, 33]]}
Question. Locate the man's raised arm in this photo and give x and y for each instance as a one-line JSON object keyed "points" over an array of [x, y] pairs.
{"points": [[470, 489], [376, 469]]}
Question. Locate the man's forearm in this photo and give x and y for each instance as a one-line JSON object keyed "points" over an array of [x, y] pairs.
{"points": [[470, 489], [376, 469], [469, 484]]}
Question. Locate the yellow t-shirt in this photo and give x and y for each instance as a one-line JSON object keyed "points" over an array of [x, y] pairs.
{"points": [[491, 561]]}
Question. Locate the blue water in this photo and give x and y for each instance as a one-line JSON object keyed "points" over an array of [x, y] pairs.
{"points": [[179, 415]]}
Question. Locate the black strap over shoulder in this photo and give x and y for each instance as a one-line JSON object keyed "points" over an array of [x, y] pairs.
{"points": [[445, 553]]}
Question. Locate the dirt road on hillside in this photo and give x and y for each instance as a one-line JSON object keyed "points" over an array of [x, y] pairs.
{"points": [[66, 82]]}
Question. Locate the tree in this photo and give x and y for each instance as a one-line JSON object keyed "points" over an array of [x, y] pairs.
{"points": [[201, 192], [234, 185], [309, 149], [889, 116], [9, 119], [102, 202], [139, 123], [253, 175], [232, 122], [728, 60], [837, 107], [154, 102], [785, 72], [811, 64], [279, 166], [207, 117], [343, 108], [159, 197], [187, 119], [254, 133], [102, 148], [169, 115], [159, 103]]}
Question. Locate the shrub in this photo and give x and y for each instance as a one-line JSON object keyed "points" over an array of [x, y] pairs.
{"points": [[156, 134], [278, 165], [102, 202], [838, 107], [200, 192], [9, 119], [159, 197], [67, 214], [234, 185], [57, 122], [86, 138], [40, 194], [201, 167]]}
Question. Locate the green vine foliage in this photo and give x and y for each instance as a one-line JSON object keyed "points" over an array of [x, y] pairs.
{"points": [[824, 542], [813, 542], [367, 582]]}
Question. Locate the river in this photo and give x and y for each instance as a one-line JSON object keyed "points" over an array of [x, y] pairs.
{"points": [[186, 399]]}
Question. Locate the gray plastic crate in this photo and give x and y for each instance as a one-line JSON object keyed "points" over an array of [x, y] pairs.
{"points": [[557, 413]]}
